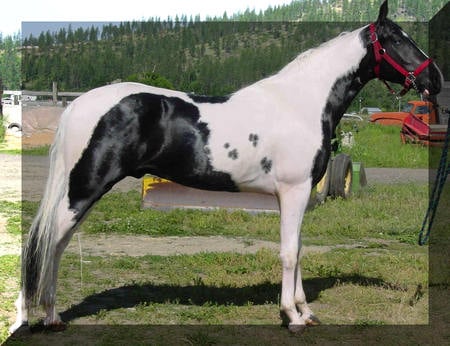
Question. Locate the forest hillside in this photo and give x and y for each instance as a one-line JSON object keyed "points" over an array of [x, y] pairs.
{"points": [[216, 56]]}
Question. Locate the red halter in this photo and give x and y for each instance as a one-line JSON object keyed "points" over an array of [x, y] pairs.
{"points": [[380, 54]]}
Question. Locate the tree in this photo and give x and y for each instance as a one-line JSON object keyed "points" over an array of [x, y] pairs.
{"points": [[10, 62], [150, 78]]}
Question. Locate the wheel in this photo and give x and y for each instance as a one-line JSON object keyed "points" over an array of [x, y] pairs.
{"points": [[14, 127], [321, 191], [341, 176], [323, 186]]}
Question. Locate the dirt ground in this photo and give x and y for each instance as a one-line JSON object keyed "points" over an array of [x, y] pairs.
{"points": [[39, 125]]}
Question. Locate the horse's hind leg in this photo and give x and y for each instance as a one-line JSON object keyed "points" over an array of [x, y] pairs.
{"points": [[49, 235], [66, 226], [22, 314], [68, 221]]}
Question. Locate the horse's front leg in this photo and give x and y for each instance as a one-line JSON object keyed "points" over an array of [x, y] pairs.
{"points": [[293, 200]]}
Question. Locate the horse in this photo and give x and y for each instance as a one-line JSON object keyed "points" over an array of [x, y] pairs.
{"points": [[272, 137]]}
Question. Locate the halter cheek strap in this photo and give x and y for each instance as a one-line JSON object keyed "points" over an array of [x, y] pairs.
{"points": [[381, 54]]}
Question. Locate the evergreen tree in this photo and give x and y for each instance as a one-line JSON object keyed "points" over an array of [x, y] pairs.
{"points": [[216, 57], [10, 62]]}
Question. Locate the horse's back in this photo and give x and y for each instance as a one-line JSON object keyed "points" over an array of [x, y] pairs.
{"points": [[81, 118]]}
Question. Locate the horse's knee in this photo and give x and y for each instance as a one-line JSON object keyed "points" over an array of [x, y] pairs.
{"points": [[289, 259]]}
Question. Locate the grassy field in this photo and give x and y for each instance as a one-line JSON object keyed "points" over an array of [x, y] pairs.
{"points": [[380, 146], [373, 274], [379, 211], [380, 279]]}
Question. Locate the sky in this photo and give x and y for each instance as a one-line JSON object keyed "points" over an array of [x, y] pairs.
{"points": [[116, 11]]}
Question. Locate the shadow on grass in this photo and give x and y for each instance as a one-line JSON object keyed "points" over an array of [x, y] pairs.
{"points": [[263, 293]]}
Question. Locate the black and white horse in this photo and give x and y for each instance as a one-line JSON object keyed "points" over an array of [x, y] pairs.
{"points": [[271, 137]]}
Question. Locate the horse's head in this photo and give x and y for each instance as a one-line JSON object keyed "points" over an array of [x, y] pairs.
{"points": [[396, 57]]}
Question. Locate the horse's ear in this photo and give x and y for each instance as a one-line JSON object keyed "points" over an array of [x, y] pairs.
{"points": [[382, 15]]}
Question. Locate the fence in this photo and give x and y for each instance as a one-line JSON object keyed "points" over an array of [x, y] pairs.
{"points": [[54, 94]]}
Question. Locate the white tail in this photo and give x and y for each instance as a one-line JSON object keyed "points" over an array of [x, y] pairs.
{"points": [[38, 265]]}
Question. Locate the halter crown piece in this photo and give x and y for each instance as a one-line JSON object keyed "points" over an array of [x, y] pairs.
{"points": [[381, 54]]}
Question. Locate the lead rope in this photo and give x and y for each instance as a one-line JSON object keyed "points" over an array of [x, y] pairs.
{"points": [[441, 177]]}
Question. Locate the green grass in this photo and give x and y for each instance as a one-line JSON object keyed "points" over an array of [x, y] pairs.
{"points": [[380, 146], [210, 288], [378, 211], [380, 278], [360, 287], [35, 151], [2, 130], [374, 285], [9, 285], [13, 211], [223, 288], [9, 267]]}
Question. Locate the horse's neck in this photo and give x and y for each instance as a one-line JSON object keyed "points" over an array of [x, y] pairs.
{"points": [[328, 75]]}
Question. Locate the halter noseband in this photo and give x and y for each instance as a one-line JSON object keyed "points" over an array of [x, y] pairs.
{"points": [[380, 54]]}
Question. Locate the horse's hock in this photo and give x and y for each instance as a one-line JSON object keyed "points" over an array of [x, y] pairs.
{"points": [[39, 124]]}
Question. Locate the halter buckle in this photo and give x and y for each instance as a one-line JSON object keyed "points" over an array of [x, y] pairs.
{"points": [[410, 79]]}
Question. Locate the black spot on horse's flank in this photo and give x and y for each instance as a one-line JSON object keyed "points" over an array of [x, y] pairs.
{"points": [[233, 154], [226, 145], [266, 165], [208, 99], [254, 139]]}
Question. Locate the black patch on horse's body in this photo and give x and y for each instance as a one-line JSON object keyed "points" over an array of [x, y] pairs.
{"points": [[341, 95], [208, 99], [146, 133]]}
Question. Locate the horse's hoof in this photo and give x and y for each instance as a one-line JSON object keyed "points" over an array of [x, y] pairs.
{"points": [[56, 327], [297, 329], [312, 321], [284, 319]]}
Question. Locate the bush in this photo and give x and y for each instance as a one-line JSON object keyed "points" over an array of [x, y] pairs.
{"points": [[150, 78]]}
